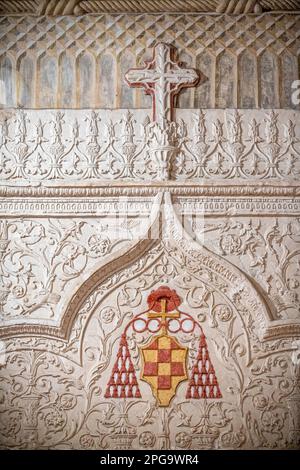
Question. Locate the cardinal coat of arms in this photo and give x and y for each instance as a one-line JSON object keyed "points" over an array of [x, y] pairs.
{"points": [[163, 359]]}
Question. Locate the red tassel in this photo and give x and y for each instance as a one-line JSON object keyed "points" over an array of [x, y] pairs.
{"points": [[122, 372], [203, 374]]}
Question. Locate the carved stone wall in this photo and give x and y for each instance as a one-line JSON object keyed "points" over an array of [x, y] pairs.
{"points": [[59, 348], [90, 225]]}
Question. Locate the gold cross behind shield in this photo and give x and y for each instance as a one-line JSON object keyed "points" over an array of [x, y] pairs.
{"points": [[163, 314]]}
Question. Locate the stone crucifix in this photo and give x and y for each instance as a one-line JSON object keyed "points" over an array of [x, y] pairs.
{"points": [[162, 78]]}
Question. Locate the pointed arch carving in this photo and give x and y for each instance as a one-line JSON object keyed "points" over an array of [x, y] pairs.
{"points": [[164, 227], [112, 264], [120, 260]]}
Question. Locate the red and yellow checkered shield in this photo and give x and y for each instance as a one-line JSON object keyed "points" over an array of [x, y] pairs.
{"points": [[163, 358], [164, 367]]}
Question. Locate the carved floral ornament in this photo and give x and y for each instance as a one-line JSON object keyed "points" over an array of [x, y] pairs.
{"points": [[42, 257], [195, 257], [70, 146]]}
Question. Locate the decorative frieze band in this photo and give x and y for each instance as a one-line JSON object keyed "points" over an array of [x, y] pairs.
{"points": [[132, 190], [131, 207], [75, 147]]}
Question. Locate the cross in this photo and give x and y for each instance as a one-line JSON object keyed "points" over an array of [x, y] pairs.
{"points": [[163, 314], [163, 78]]}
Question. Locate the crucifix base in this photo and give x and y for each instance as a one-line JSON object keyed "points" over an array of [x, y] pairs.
{"points": [[164, 157]]}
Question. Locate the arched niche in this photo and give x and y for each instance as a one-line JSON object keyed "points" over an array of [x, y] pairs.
{"points": [[85, 80], [7, 82], [247, 81], [125, 94], [205, 62], [67, 84], [226, 72], [268, 79], [106, 65], [26, 81], [48, 81], [289, 72]]}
